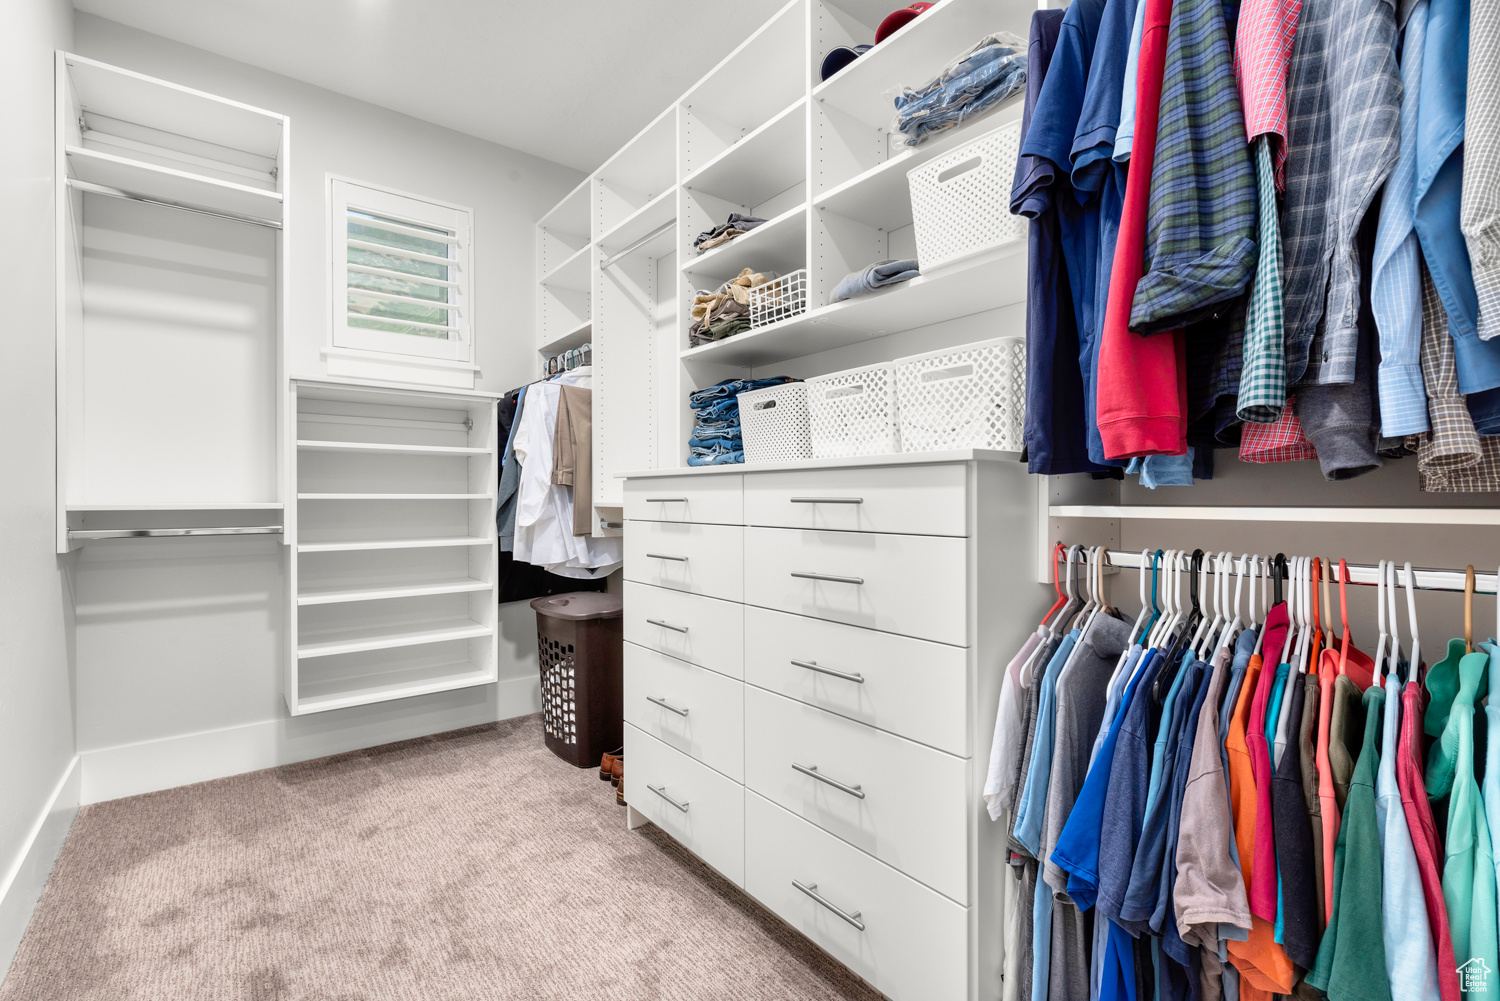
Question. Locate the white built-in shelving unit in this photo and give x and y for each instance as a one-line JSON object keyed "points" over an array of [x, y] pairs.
{"points": [[761, 134], [393, 554], [171, 269]]}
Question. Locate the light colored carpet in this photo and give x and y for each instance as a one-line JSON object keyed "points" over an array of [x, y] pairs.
{"points": [[472, 865]]}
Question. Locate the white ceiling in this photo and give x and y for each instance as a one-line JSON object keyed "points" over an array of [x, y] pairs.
{"points": [[568, 80]]}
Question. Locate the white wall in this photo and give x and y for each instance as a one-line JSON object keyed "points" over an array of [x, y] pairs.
{"points": [[507, 190], [36, 712], [179, 641]]}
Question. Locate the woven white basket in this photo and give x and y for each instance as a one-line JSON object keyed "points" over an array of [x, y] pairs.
{"points": [[960, 201], [774, 423], [854, 412], [972, 396], [778, 299]]}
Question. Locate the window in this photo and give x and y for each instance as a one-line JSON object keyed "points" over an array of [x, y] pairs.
{"points": [[400, 283]]}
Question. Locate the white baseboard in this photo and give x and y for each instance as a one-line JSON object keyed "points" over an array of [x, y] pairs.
{"points": [[21, 886], [132, 769]]}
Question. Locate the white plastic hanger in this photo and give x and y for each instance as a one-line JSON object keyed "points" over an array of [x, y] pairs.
{"points": [[1411, 616], [1395, 623], [1385, 636], [1227, 637], [1163, 597], [1140, 620]]}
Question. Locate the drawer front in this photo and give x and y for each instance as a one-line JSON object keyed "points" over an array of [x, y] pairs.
{"points": [[708, 632], [910, 687], [917, 500], [701, 559], [689, 708], [701, 809], [909, 584], [715, 500], [901, 802], [914, 943]]}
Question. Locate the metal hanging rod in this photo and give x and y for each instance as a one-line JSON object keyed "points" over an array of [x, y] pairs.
{"points": [[637, 245], [90, 534], [100, 189], [1423, 578]]}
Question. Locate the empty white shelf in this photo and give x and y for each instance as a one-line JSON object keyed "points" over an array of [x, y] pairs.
{"points": [[148, 180], [915, 54], [315, 695], [572, 273], [335, 594], [779, 244], [418, 497], [881, 196], [383, 448], [760, 164], [362, 640], [571, 338], [446, 541], [996, 278], [1324, 515], [104, 506]]}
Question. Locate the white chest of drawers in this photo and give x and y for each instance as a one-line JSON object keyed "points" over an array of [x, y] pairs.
{"points": [[812, 658]]}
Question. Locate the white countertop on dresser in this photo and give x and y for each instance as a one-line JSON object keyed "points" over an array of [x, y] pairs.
{"points": [[848, 462]]}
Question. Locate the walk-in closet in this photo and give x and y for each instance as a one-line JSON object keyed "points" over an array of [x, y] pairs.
{"points": [[802, 499]]}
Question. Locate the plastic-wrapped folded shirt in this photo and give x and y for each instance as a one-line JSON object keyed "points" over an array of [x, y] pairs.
{"points": [[876, 276], [991, 71], [544, 510]]}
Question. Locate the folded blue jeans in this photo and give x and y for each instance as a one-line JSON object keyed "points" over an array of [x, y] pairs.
{"points": [[876, 276]]}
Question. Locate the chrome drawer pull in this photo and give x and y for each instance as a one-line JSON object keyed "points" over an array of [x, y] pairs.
{"points": [[666, 500], [811, 889], [828, 500], [663, 556], [812, 665], [666, 625], [824, 576], [662, 792], [666, 705], [812, 770]]}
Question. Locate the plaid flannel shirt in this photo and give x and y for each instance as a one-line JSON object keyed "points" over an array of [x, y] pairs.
{"points": [[1451, 456], [1481, 193], [1262, 52], [1262, 389], [1200, 226], [1281, 441], [1345, 112]]}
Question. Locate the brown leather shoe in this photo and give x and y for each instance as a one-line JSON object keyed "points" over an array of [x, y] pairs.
{"points": [[607, 763], [617, 771]]}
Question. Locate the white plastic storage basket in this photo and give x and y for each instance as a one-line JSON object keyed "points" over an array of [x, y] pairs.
{"points": [[774, 423], [854, 412], [778, 298], [971, 396], [960, 201]]}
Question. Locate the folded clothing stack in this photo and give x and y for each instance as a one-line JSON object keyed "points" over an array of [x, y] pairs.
{"points": [[738, 225], [716, 436], [987, 74], [876, 276], [725, 311]]}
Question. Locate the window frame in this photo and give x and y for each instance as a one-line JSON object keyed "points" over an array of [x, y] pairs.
{"points": [[429, 359]]}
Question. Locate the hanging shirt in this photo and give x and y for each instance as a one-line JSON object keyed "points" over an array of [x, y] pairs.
{"points": [[1410, 963], [1262, 391], [1142, 399], [1009, 723], [1351, 958], [1396, 287], [1295, 853], [1469, 865], [1125, 799], [1308, 749], [1200, 235], [1262, 963], [1033, 797], [1055, 433], [1262, 54], [1424, 838], [1344, 124], [1481, 187], [1164, 918], [1125, 133], [1263, 886], [1209, 887], [1451, 456]]}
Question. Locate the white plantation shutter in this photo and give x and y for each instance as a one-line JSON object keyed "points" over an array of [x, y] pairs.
{"points": [[400, 276]]}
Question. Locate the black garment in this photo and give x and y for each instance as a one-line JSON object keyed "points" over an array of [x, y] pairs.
{"points": [[523, 581], [1294, 844]]}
